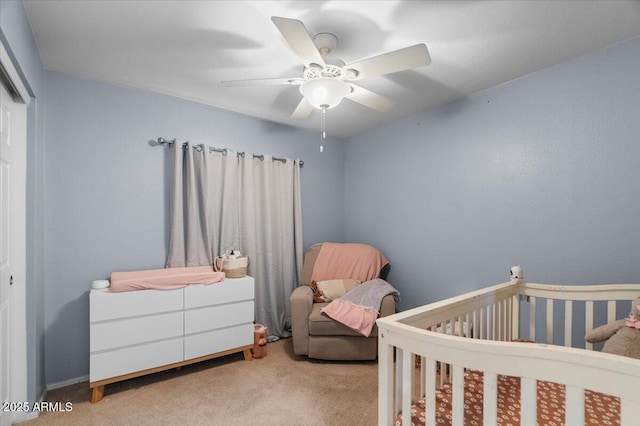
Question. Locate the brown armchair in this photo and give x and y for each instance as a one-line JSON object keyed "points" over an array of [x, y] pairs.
{"points": [[319, 336]]}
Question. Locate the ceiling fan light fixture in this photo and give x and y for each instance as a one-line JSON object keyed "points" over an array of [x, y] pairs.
{"points": [[324, 92]]}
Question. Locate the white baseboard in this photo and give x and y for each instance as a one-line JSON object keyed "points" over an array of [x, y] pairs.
{"points": [[58, 385], [23, 417], [43, 397], [29, 416], [33, 414]]}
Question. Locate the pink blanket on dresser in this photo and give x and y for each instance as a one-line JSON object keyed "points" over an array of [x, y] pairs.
{"points": [[164, 279], [339, 261]]}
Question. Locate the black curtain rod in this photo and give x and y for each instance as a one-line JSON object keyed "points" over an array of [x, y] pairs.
{"points": [[223, 151]]}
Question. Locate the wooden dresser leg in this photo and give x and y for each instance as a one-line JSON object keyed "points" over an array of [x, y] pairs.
{"points": [[247, 355], [98, 393]]}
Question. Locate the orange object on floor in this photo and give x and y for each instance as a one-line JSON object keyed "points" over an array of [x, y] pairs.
{"points": [[259, 341]]}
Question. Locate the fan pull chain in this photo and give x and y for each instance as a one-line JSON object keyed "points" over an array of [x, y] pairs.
{"points": [[323, 126]]}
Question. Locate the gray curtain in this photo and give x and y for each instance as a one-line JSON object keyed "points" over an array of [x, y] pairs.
{"points": [[252, 204]]}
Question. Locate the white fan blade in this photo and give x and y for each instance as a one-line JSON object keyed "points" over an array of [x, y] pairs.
{"points": [[369, 99], [299, 39], [303, 110], [398, 60], [263, 82]]}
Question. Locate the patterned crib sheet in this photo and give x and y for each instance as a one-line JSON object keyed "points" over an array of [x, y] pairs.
{"points": [[600, 409]]}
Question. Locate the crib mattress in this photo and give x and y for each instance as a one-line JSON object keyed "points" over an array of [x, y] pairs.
{"points": [[600, 409]]}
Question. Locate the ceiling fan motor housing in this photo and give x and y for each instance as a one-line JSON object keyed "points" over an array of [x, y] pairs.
{"points": [[325, 42], [329, 71]]}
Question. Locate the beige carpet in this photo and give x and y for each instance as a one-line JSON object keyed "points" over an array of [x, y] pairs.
{"points": [[280, 389]]}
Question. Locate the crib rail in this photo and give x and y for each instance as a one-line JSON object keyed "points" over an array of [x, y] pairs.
{"points": [[600, 304], [422, 348]]}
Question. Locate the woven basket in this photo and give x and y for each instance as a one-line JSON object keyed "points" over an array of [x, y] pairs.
{"points": [[232, 268]]}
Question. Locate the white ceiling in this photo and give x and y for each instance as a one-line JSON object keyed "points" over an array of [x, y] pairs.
{"points": [[186, 48]]}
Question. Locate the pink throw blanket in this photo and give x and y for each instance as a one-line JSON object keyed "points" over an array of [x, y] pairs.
{"points": [[339, 261], [164, 279], [359, 308]]}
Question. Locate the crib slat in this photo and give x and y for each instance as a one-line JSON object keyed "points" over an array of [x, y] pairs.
{"points": [[532, 318], [574, 406], [611, 311], [423, 377], [629, 411], [473, 324], [385, 382], [457, 399], [503, 320], [588, 308], [568, 315], [497, 316], [407, 373], [490, 404], [398, 386], [507, 317], [490, 320], [549, 325], [515, 317], [487, 322], [430, 393], [528, 401], [443, 367], [494, 321], [467, 320]]}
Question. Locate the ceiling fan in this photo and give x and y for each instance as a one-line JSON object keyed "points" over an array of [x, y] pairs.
{"points": [[326, 81]]}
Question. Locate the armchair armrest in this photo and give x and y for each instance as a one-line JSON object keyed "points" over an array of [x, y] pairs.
{"points": [[301, 304], [388, 306]]}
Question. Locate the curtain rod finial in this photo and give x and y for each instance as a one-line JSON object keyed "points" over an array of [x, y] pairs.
{"points": [[162, 141]]}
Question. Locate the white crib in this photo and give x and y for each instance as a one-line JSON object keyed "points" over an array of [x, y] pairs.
{"points": [[419, 351]]}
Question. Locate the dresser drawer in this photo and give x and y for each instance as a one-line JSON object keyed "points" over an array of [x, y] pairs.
{"points": [[107, 305], [202, 344], [214, 317], [131, 331], [108, 364], [229, 290]]}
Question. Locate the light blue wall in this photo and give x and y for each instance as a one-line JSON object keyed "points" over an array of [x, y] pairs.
{"points": [[541, 171], [16, 35], [107, 192]]}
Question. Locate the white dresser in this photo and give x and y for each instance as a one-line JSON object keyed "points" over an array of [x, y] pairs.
{"points": [[141, 332]]}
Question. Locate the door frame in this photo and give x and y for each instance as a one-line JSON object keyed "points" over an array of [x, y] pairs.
{"points": [[13, 82]]}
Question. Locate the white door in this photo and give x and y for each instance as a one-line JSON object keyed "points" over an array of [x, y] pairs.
{"points": [[12, 258]]}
